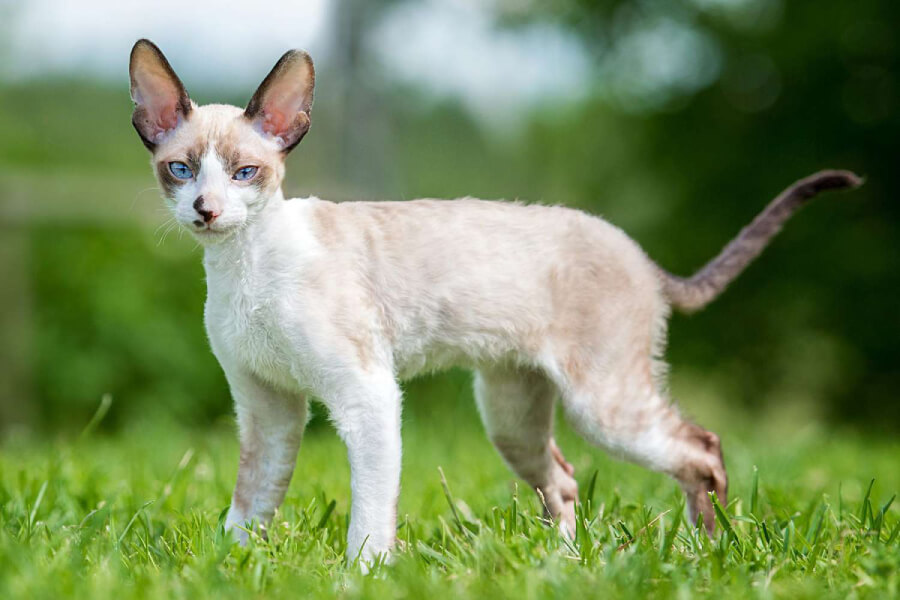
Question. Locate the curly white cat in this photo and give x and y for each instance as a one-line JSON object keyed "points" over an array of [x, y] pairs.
{"points": [[313, 299]]}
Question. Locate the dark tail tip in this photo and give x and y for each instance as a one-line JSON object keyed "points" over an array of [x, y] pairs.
{"points": [[701, 288], [833, 180]]}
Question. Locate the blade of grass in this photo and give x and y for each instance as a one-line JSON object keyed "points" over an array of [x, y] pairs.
{"points": [[449, 498], [879, 520], [131, 521], [725, 523], [815, 524], [99, 414], [328, 510], [865, 509], [37, 505], [641, 530], [588, 499]]}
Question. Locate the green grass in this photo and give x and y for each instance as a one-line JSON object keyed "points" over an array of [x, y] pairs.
{"points": [[138, 513]]}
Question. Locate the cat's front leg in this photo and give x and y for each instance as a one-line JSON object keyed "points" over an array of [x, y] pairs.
{"points": [[270, 426], [365, 408]]}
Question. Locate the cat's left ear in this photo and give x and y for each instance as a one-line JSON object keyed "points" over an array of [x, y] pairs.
{"points": [[280, 107]]}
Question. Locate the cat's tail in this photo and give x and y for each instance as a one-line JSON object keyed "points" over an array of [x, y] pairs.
{"points": [[693, 293]]}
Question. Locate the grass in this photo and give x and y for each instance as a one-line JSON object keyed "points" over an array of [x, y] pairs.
{"points": [[138, 514]]}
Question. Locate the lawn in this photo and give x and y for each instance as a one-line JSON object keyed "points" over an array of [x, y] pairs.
{"points": [[138, 513]]}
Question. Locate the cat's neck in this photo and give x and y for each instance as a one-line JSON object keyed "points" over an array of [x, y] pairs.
{"points": [[238, 252]]}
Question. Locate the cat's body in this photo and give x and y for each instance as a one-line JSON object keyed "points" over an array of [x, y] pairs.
{"points": [[374, 276], [312, 299]]}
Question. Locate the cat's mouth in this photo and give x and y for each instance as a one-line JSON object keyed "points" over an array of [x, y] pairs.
{"points": [[212, 231]]}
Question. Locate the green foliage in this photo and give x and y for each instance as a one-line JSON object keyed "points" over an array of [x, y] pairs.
{"points": [[68, 124], [118, 313]]}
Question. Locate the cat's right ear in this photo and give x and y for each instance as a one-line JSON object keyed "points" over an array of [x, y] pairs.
{"points": [[161, 102]]}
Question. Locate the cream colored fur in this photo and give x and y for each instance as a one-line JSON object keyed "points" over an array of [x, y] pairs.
{"points": [[339, 302]]}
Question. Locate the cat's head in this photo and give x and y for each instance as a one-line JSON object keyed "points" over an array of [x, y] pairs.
{"points": [[218, 165]]}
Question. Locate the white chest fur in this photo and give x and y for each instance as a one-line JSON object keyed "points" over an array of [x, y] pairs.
{"points": [[255, 308]]}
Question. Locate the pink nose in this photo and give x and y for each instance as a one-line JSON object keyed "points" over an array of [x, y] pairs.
{"points": [[208, 215]]}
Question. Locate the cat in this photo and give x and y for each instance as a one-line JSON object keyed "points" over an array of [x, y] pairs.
{"points": [[339, 302]]}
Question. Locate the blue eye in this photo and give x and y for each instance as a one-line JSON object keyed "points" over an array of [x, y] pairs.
{"points": [[245, 173], [180, 170]]}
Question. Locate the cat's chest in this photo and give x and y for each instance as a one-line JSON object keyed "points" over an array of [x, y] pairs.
{"points": [[247, 325]]}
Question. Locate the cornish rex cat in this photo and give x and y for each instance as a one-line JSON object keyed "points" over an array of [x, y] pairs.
{"points": [[308, 298]]}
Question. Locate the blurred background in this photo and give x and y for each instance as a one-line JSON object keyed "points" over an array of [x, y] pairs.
{"points": [[676, 120]]}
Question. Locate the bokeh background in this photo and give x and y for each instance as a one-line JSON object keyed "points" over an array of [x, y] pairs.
{"points": [[677, 120]]}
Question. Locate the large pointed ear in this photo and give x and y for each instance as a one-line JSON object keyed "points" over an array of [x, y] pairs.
{"points": [[280, 107], [161, 103]]}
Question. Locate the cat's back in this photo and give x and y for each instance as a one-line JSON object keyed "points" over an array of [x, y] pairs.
{"points": [[467, 226]]}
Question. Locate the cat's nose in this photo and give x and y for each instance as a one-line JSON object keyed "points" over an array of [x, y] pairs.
{"points": [[208, 215]]}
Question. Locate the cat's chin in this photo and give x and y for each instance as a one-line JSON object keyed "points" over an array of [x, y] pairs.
{"points": [[213, 236]]}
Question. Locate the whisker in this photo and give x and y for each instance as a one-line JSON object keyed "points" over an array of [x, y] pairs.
{"points": [[163, 224], [170, 225], [140, 193], [175, 227]]}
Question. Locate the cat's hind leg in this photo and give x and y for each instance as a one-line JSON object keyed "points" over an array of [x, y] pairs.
{"points": [[516, 406]]}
